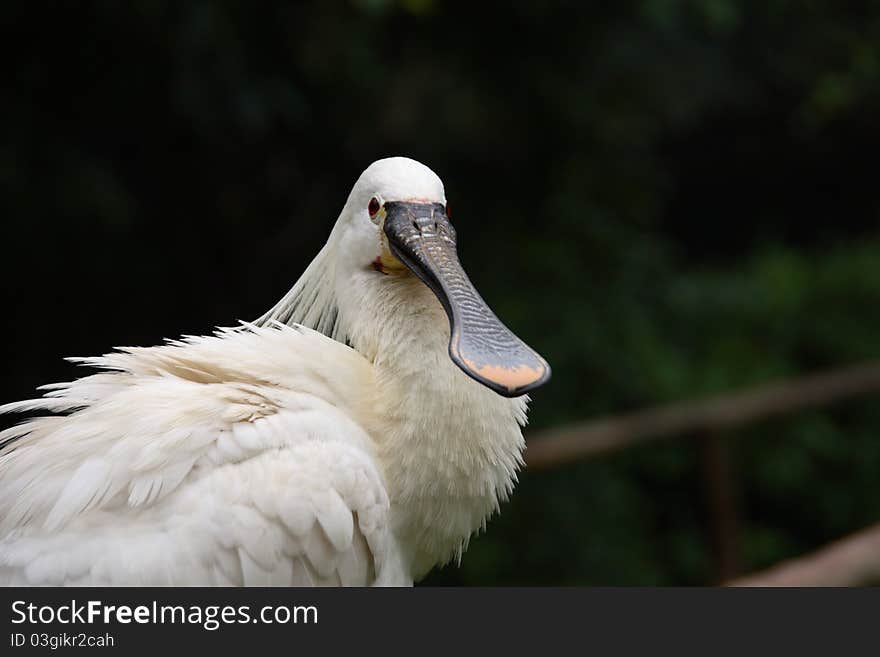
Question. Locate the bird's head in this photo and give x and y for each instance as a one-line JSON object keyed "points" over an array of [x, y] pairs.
{"points": [[396, 224]]}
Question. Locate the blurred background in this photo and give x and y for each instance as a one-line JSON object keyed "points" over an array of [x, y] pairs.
{"points": [[685, 191]]}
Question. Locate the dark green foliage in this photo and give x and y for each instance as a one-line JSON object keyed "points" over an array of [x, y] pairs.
{"points": [[685, 192]]}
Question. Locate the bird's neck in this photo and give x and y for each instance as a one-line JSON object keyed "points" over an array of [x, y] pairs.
{"points": [[450, 447]]}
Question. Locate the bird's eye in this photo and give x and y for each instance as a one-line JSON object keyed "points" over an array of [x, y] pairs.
{"points": [[374, 206], [448, 213]]}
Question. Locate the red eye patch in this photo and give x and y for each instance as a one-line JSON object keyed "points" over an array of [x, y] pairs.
{"points": [[374, 206]]}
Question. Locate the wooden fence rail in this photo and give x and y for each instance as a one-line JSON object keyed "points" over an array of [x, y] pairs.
{"points": [[850, 561], [556, 447]]}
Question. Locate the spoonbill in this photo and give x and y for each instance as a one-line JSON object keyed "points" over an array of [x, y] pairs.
{"points": [[357, 434]]}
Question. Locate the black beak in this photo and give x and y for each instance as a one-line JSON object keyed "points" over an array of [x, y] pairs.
{"points": [[421, 237]]}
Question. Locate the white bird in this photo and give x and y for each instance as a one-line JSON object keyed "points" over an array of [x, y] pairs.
{"points": [[357, 434]]}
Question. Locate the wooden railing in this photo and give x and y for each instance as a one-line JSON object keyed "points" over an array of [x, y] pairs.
{"points": [[850, 561], [854, 560]]}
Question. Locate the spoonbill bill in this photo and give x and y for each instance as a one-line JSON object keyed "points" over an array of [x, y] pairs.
{"points": [[357, 434]]}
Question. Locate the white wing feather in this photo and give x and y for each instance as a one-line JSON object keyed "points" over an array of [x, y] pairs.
{"points": [[230, 460]]}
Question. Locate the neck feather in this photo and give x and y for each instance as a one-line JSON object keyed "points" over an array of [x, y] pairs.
{"points": [[312, 300], [449, 447]]}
